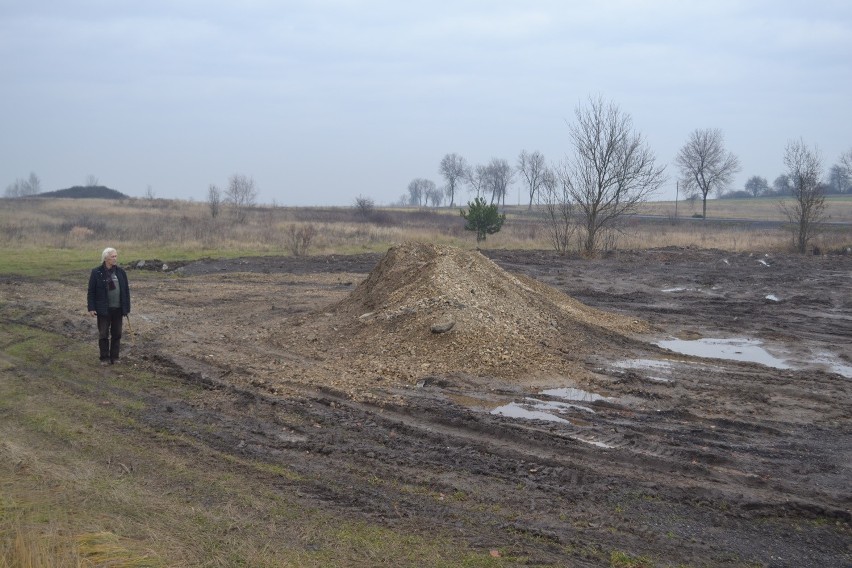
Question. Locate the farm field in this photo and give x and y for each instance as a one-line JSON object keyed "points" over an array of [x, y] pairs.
{"points": [[673, 406]]}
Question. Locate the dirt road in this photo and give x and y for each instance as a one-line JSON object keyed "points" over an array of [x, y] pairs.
{"points": [[612, 444]]}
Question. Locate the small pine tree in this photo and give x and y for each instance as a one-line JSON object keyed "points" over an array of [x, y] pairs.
{"points": [[482, 218]]}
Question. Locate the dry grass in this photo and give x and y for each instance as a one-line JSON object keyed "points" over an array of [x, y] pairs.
{"points": [[181, 230], [838, 209], [27, 549], [85, 483]]}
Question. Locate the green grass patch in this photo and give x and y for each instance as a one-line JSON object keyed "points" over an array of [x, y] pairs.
{"points": [[618, 559], [58, 262], [85, 480]]}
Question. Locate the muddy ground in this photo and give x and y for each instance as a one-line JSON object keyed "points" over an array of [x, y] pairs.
{"points": [[614, 444]]}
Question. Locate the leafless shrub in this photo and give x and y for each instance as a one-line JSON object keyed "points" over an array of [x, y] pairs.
{"points": [[98, 225], [241, 194], [214, 200], [806, 211], [80, 233], [364, 206], [299, 238]]}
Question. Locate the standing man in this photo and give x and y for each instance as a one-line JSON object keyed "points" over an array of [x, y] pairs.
{"points": [[109, 301]]}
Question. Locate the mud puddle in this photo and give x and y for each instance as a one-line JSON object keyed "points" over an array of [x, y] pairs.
{"points": [[732, 349]]}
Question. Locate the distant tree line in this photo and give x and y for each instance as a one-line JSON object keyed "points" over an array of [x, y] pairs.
{"points": [[31, 187], [24, 187], [610, 170], [839, 182], [240, 194]]}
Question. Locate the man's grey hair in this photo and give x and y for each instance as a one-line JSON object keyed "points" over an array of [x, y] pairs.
{"points": [[107, 252]]}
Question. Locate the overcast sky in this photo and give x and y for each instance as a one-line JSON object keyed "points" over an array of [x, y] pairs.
{"points": [[325, 100]]}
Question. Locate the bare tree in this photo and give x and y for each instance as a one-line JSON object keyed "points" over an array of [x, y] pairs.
{"points": [[149, 193], [533, 169], [611, 171], [846, 164], [477, 179], [434, 195], [782, 185], [560, 217], [415, 192], [757, 186], [214, 200], [421, 191], [16, 189], [454, 168], [241, 194], [427, 190], [365, 206], [807, 209], [846, 161], [839, 179], [416, 189], [704, 164], [33, 186], [91, 180], [499, 176], [24, 187]]}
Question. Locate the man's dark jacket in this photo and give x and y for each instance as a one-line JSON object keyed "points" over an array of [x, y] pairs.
{"points": [[98, 286]]}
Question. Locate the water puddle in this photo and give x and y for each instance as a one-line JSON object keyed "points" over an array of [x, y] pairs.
{"points": [[649, 364], [735, 349], [595, 443], [573, 394], [830, 361], [644, 364], [840, 369], [527, 412], [535, 409]]}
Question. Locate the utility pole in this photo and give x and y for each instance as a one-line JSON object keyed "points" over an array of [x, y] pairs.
{"points": [[677, 193]]}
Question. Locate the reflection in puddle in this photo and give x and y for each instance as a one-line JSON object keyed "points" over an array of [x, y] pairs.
{"points": [[747, 350], [842, 370], [644, 364], [836, 366], [526, 411], [595, 443], [655, 364], [573, 394], [534, 409]]}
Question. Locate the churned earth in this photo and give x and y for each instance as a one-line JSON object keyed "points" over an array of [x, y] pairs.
{"points": [[688, 407]]}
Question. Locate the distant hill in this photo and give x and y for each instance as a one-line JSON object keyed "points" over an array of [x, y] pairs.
{"points": [[90, 192]]}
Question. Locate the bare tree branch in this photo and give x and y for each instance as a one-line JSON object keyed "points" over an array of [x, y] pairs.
{"points": [[611, 171], [241, 194], [704, 164], [807, 210], [454, 168], [533, 168], [560, 217]]}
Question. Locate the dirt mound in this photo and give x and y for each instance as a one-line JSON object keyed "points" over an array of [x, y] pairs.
{"points": [[429, 309]]}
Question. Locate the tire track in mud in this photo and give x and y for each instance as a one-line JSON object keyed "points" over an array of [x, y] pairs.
{"points": [[405, 463], [725, 463]]}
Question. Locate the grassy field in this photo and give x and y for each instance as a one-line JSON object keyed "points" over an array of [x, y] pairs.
{"points": [[85, 483], [838, 209], [68, 234]]}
